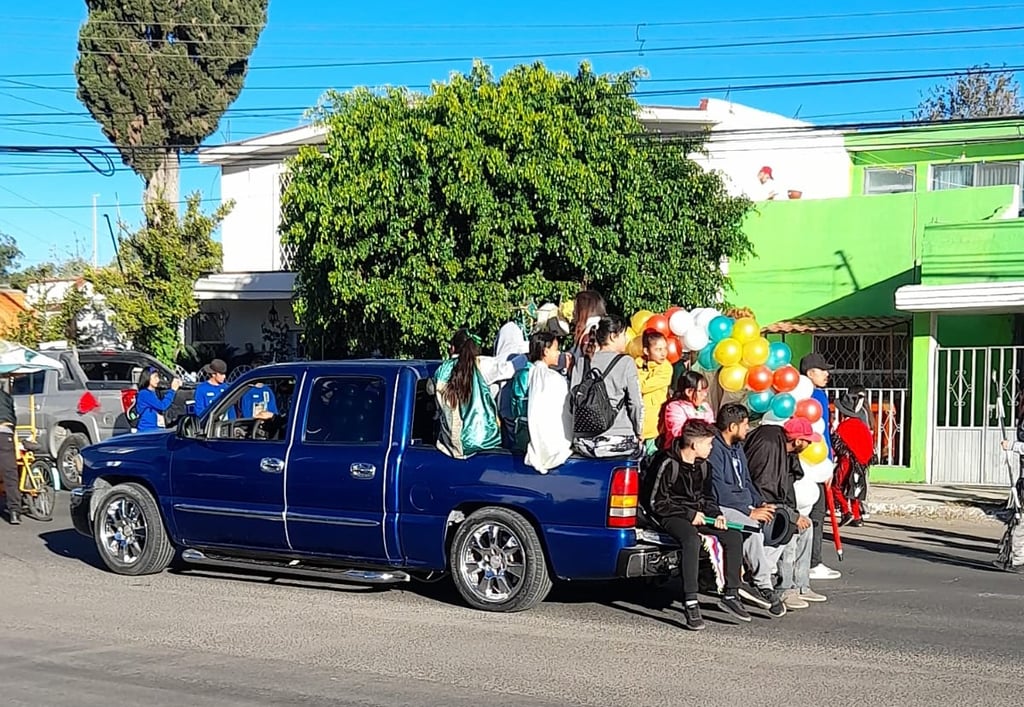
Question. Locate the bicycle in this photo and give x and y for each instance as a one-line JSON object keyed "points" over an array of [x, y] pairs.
{"points": [[37, 495]]}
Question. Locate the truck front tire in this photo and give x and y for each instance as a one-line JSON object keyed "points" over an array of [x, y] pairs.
{"points": [[497, 562], [129, 532]]}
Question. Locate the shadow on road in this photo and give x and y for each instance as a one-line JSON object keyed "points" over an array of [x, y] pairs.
{"points": [[70, 543], [916, 553]]}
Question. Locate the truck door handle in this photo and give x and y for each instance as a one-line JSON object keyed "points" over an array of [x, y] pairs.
{"points": [[363, 471], [270, 465]]}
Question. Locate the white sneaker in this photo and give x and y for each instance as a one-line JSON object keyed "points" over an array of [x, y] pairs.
{"points": [[824, 572]]}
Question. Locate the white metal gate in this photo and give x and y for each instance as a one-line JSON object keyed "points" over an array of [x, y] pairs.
{"points": [[974, 387]]}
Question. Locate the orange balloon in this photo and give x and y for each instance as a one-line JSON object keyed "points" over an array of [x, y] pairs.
{"points": [[658, 323], [640, 319], [786, 379], [733, 378], [759, 379], [809, 409]]}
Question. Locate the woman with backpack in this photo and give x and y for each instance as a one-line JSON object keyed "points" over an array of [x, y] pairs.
{"points": [[469, 415], [607, 408]]}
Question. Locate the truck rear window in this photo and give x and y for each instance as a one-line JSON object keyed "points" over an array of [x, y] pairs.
{"points": [[30, 384], [424, 416]]}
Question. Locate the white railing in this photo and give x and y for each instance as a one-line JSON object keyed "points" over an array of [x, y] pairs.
{"points": [[890, 408]]}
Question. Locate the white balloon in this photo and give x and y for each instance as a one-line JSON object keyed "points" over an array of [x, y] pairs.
{"points": [[704, 318], [680, 322], [818, 473], [819, 426], [807, 493], [696, 338], [804, 389], [770, 418]]}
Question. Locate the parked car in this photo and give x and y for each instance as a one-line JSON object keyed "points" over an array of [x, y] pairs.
{"points": [[83, 403], [346, 482]]}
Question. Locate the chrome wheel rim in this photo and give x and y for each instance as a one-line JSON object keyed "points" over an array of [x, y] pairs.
{"points": [[493, 563], [71, 465], [124, 531]]}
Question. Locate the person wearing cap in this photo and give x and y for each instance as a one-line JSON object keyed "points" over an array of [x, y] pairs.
{"points": [[766, 191], [210, 389], [773, 453], [740, 502], [817, 367]]}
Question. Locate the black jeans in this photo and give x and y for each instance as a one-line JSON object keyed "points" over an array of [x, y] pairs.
{"points": [[818, 513], [688, 536], [9, 470]]}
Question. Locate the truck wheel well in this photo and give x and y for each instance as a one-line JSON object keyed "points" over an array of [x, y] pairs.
{"points": [[114, 480], [74, 427], [465, 509]]}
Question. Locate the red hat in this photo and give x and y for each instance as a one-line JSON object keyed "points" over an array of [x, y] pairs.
{"points": [[799, 428], [768, 171]]}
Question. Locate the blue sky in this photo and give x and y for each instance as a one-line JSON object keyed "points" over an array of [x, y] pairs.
{"points": [[46, 200]]}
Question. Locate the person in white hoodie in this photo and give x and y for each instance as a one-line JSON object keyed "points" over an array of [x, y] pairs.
{"points": [[510, 351]]}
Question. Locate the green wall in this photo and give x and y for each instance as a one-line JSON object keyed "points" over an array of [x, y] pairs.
{"points": [[845, 257], [975, 330], [983, 251]]}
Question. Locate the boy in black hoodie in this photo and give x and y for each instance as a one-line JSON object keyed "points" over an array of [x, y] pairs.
{"points": [[681, 501]]}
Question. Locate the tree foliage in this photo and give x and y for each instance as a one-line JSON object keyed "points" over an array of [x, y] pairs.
{"points": [[50, 320], [977, 93], [158, 75], [426, 212], [162, 261], [10, 254], [52, 270]]}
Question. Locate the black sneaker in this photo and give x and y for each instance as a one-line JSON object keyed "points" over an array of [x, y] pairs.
{"points": [[694, 621], [754, 597], [856, 523], [731, 604], [14, 517], [846, 518], [777, 608]]}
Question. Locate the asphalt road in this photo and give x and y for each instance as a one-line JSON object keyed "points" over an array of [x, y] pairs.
{"points": [[917, 619]]}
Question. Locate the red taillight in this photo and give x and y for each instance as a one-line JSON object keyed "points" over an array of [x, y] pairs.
{"points": [[622, 502], [128, 399]]}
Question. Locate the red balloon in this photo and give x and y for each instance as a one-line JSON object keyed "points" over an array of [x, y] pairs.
{"points": [[809, 409], [786, 379], [675, 350], [658, 323], [759, 378]]}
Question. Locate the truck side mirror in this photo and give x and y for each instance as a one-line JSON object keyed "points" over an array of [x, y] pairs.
{"points": [[188, 427]]}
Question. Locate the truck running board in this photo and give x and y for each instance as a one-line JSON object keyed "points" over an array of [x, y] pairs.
{"points": [[296, 567]]}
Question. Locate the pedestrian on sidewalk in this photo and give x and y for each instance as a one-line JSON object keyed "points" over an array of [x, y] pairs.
{"points": [[817, 368], [9, 457]]}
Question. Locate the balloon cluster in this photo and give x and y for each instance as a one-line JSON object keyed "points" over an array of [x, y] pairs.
{"points": [[744, 361]]}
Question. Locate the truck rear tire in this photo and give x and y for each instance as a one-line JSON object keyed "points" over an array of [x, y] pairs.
{"points": [[498, 563], [67, 460], [129, 532]]}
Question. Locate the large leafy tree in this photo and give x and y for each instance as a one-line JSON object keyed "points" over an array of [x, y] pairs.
{"points": [[979, 92], [425, 212], [150, 293], [158, 75]]}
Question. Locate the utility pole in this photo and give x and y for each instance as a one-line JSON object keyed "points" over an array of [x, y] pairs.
{"points": [[95, 234]]}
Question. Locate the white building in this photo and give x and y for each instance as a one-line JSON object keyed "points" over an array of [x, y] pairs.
{"points": [[255, 288]]}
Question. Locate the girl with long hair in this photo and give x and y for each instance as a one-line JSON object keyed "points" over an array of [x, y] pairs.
{"points": [[469, 416], [689, 401], [588, 305]]}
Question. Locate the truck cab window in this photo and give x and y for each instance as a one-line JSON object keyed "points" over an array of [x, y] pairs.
{"points": [[424, 416], [346, 410], [257, 410]]}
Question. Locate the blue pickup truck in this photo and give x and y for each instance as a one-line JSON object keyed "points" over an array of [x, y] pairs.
{"points": [[345, 482]]}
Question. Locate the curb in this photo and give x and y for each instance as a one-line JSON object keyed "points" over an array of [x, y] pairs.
{"points": [[937, 511]]}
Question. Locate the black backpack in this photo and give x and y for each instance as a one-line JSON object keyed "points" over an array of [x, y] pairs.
{"points": [[592, 411]]}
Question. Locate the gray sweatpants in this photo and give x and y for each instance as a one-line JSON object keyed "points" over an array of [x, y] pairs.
{"points": [[795, 564], [761, 560]]}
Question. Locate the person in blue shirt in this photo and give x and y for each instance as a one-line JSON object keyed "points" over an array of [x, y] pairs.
{"points": [[149, 404], [210, 389], [817, 368], [256, 400]]}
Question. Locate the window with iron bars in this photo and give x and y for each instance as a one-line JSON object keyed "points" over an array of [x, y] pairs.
{"points": [[871, 360]]}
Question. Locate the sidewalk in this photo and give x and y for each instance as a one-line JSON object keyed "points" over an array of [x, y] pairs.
{"points": [[941, 502]]}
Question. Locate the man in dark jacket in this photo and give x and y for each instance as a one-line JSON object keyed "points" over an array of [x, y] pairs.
{"points": [[774, 456], [741, 502], [681, 501], [8, 457]]}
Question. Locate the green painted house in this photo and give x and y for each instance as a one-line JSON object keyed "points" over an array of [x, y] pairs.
{"points": [[913, 286]]}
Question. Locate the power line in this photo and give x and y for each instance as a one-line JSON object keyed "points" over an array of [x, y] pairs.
{"points": [[606, 52]]}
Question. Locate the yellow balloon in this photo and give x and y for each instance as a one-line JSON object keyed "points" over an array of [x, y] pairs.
{"points": [[733, 378], [746, 329], [631, 334], [635, 348], [640, 318], [755, 353], [815, 453], [728, 352]]}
